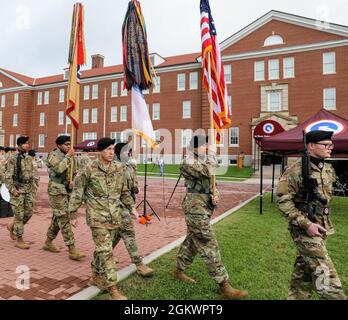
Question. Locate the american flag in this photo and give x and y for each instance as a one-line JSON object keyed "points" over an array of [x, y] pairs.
{"points": [[211, 47]]}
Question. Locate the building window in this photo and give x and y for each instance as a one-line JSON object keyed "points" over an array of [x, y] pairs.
{"points": [[234, 137], [123, 117], [157, 85], [15, 119], [157, 136], [147, 91], [41, 140], [330, 98], [89, 136], [124, 91], [11, 141], [259, 70], [42, 119], [156, 111], [222, 138], [68, 120], [273, 40], [47, 97], [86, 93], [228, 73], [186, 110], [229, 104], [113, 114], [61, 118], [118, 136], [39, 98], [85, 116], [181, 81], [0, 119], [95, 91], [94, 115], [61, 95], [114, 89], [193, 80], [274, 101], [273, 69], [329, 62], [3, 101], [16, 99], [289, 68], [186, 136]]}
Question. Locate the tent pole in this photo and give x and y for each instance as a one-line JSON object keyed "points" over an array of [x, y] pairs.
{"points": [[261, 185], [273, 172]]}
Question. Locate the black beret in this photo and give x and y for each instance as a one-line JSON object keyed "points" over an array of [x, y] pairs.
{"points": [[62, 139], [120, 147], [13, 149], [32, 153], [7, 149], [21, 140], [104, 143], [2, 148], [198, 141], [318, 135]]}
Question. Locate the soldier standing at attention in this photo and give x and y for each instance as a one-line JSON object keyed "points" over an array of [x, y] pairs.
{"points": [[314, 270], [126, 231], [59, 189], [21, 182], [199, 205], [103, 186], [2, 164]]}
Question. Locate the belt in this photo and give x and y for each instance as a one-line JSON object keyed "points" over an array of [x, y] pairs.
{"points": [[318, 210]]}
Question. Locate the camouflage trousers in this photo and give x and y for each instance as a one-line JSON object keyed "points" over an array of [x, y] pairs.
{"points": [[127, 233], [23, 208], [103, 260], [201, 239], [60, 219], [313, 271]]}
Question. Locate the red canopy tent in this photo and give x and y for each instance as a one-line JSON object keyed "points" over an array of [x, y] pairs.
{"points": [[292, 141], [88, 145]]}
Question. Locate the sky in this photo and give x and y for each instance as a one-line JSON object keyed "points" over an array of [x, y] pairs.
{"points": [[34, 34]]}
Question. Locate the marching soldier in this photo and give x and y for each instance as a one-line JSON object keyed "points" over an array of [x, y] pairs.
{"points": [[22, 182], [126, 231], [2, 164], [59, 189], [103, 186], [314, 270], [199, 205]]}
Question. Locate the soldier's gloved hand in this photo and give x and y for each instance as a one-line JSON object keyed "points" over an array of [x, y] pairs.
{"points": [[315, 230], [74, 223], [71, 152], [215, 198]]}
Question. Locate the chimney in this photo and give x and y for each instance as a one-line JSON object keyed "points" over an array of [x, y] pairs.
{"points": [[97, 61]]}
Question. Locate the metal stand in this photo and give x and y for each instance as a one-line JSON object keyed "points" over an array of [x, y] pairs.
{"points": [[174, 190], [261, 183], [273, 173]]}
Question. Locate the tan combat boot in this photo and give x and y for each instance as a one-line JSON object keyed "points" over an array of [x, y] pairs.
{"points": [[144, 270], [115, 294], [98, 281], [229, 293], [74, 254], [180, 275], [21, 244], [49, 246], [10, 229]]}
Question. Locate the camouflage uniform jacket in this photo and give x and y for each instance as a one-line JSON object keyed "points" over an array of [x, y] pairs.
{"points": [[131, 176], [2, 168], [104, 189], [29, 174], [290, 195], [198, 181], [58, 166]]}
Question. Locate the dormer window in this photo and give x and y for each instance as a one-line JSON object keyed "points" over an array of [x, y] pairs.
{"points": [[66, 74], [273, 40]]}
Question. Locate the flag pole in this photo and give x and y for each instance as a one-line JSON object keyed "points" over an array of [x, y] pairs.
{"points": [[212, 131]]}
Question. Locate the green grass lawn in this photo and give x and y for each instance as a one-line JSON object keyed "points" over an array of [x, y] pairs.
{"points": [[257, 252], [173, 170]]}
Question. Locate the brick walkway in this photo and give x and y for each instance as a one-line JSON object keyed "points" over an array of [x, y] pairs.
{"points": [[54, 276]]}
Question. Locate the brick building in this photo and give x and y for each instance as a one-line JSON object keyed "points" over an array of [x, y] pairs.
{"points": [[281, 67]]}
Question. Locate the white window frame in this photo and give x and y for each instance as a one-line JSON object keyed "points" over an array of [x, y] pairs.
{"points": [[95, 91], [0, 119], [123, 113], [329, 59], [234, 145], [42, 119], [124, 92], [229, 103], [259, 68], [156, 111], [117, 135], [113, 114], [94, 116], [273, 66], [61, 118], [61, 95], [68, 120], [186, 106], [326, 104], [47, 97], [41, 143], [85, 116], [39, 98], [86, 93], [181, 82], [193, 80], [16, 99], [15, 120], [187, 134], [222, 142], [157, 85], [114, 89], [11, 140], [289, 71], [89, 136], [3, 101], [269, 96], [228, 73]]}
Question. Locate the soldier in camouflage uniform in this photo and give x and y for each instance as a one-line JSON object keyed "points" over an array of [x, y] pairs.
{"points": [[2, 165], [314, 270], [22, 181], [199, 204], [103, 186], [59, 189], [126, 231]]}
